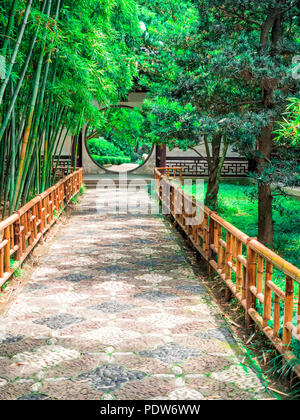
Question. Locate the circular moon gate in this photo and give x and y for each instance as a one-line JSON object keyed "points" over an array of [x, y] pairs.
{"points": [[117, 144]]}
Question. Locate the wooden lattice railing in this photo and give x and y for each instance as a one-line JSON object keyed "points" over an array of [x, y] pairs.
{"points": [[248, 268], [172, 172], [21, 232]]}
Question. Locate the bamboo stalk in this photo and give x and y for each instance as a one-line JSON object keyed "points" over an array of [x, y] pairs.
{"points": [[20, 179], [9, 27], [16, 50]]}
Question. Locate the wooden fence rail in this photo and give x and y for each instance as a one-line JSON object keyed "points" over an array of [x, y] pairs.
{"points": [[21, 232], [246, 266]]}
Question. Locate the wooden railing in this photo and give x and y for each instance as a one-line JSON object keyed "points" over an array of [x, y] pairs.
{"points": [[61, 172], [172, 172], [247, 267], [21, 232]]}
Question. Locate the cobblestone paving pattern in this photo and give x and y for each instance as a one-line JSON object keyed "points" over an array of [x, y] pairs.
{"points": [[115, 311]]}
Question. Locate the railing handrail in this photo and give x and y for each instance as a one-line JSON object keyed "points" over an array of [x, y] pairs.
{"points": [[250, 261], [286, 267], [279, 262], [8, 221], [22, 231]]}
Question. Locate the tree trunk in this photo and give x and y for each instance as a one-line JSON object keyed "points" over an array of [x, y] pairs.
{"points": [[272, 24], [161, 160], [265, 221], [211, 199], [265, 199]]}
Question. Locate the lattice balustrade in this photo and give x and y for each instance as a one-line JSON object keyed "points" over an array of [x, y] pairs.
{"points": [[197, 166]]}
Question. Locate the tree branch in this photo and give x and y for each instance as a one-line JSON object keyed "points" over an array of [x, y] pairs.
{"points": [[197, 152], [243, 18]]}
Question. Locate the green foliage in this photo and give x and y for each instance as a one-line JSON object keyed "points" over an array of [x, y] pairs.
{"points": [[74, 200], [290, 127], [101, 147], [93, 38], [82, 190], [171, 122], [122, 136], [208, 58], [112, 160], [221, 74]]}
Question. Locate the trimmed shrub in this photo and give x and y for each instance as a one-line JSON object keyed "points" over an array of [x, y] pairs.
{"points": [[111, 160], [102, 147]]}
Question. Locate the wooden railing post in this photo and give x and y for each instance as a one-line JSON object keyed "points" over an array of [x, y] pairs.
{"points": [[1, 264], [211, 240], [28, 216], [65, 192], [239, 267], [40, 215], [51, 206], [228, 262], [172, 206], [276, 326], [260, 274], [34, 221], [216, 237], [7, 250], [250, 281], [204, 229], [18, 237], [228, 258], [211, 236], [220, 249], [268, 294], [298, 314], [288, 310]]}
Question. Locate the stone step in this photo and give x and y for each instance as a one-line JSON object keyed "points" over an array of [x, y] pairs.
{"points": [[92, 183]]}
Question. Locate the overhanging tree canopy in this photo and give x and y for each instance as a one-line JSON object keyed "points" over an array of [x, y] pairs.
{"points": [[224, 73]]}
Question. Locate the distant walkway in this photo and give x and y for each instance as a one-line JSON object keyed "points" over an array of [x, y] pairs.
{"points": [[115, 311]]}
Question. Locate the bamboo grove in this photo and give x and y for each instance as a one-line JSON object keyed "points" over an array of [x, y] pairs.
{"points": [[57, 58]]}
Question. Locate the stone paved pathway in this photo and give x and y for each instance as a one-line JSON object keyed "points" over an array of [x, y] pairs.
{"points": [[115, 311]]}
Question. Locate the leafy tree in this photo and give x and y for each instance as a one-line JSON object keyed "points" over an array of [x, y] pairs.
{"points": [[227, 69], [257, 43], [62, 57], [122, 127], [189, 103]]}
